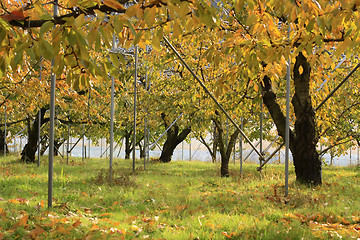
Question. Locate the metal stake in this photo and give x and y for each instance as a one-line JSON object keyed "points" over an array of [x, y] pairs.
{"points": [[5, 129], [241, 147], [135, 90], [112, 112], [39, 136], [89, 141], [68, 139], [83, 143], [287, 126], [52, 121]]}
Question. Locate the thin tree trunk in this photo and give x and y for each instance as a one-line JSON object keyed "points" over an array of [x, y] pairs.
{"points": [[225, 150]]}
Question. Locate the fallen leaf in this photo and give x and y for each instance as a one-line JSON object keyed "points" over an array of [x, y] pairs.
{"points": [[36, 232], [21, 222], [76, 224]]}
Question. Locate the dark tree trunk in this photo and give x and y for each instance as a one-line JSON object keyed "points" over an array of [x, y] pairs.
{"points": [[44, 144], [28, 153], [128, 144], [225, 150], [304, 138], [2, 143], [57, 145], [173, 139], [142, 150]]}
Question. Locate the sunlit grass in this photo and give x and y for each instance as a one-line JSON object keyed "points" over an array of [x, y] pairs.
{"points": [[179, 200]]}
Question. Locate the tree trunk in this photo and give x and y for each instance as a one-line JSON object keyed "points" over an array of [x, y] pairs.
{"points": [[2, 143], [57, 145], [173, 139], [225, 150], [304, 138], [142, 150], [128, 144], [28, 153]]}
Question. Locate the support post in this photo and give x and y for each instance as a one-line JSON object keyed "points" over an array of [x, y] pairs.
{"points": [[241, 147], [5, 129], [83, 143], [112, 111], [135, 90], [89, 141], [68, 139], [190, 150], [287, 126], [39, 137], [261, 132], [52, 121]]}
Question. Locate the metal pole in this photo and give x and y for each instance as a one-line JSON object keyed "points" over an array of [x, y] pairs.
{"points": [[52, 121], [358, 157], [5, 130], [101, 147], [190, 150], [145, 144], [182, 150], [39, 137], [337, 87], [212, 97], [112, 112], [68, 139], [89, 141], [152, 145], [83, 143], [350, 151], [135, 90], [287, 125], [261, 131], [241, 148]]}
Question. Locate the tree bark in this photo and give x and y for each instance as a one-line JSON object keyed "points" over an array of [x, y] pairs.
{"points": [[128, 144], [2, 143], [304, 138], [173, 139], [225, 150], [28, 153]]}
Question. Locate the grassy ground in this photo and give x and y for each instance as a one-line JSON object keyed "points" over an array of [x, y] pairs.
{"points": [[180, 200]]}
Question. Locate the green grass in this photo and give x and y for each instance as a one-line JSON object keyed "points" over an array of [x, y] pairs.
{"points": [[180, 200]]}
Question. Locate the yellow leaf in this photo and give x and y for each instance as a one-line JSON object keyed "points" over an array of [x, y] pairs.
{"points": [[113, 4], [301, 70]]}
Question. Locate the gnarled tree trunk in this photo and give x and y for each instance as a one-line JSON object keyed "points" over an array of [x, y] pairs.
{"points": [[28, 153], [174, 138], [304, 138]]}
